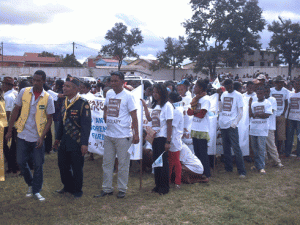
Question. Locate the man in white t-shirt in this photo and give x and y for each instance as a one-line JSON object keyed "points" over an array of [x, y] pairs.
{"points": [[231, 112], [10, 152], [259, 112], [120, 117], [282, 95], [293, 121], [270, 141], [250, 91]]}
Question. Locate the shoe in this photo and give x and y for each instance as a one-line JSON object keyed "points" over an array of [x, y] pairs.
{"points": [[279, 165], [121, 194], [253, 168], [103, 193], [204, 180], [38, 196], [242, 176], [177, 186], [293, 155], [61, 191], [29, 192], [262, 171]]}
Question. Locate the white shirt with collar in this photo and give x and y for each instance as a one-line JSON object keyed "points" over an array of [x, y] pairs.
{"points": [[9, 98]]}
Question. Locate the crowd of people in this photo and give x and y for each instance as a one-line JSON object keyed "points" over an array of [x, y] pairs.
{"points": [[170, 109]]}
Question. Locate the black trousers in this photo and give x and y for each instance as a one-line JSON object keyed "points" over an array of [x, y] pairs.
{"points": [[48, 141], [161, 174], [70, 165], [200, 149], [11, 153]]}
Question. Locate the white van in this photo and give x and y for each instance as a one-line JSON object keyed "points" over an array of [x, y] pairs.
{"points": [[88, 79]]}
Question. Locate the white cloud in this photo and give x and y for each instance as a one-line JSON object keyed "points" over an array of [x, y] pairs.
{"points": [[273, 15]]}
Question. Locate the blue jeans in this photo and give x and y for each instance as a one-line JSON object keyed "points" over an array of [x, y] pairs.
{"points": [[230, 138], [259, 149], [292, 126], [26, 151]]}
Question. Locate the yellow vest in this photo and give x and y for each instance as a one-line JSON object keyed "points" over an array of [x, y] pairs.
{"points": [[3, 118], [40, 116]]}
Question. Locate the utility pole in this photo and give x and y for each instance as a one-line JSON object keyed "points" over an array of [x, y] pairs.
{"points": [[74, 48], [2, 53]]}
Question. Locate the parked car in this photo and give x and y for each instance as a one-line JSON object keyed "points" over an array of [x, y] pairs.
{"points": [[87, 79]]}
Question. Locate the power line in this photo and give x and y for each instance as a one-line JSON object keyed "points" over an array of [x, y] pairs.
{"points": [[33, 44], [87, 47]]}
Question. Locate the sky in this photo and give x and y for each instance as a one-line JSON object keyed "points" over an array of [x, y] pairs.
{"points": [[51, 25]]}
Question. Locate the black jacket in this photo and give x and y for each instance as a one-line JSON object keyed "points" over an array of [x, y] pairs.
{"points": [[76, 130]]}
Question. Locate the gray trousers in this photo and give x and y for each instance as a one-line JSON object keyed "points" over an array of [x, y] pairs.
{"points": [[113, 147]]}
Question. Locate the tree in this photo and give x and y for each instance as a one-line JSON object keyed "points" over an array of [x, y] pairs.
{"points": [[47, 54], [70, 61], [173, 55], [221, 26], [122, 42], [286, 41]]}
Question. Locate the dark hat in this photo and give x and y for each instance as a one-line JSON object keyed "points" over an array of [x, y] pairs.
{"points": [[185, 82], [74, 80], [279, 79], [8, 80]]}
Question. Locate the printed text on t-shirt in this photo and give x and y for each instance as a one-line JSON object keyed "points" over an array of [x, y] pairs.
{"points": [[279, 99], [227, 105], [113, 107], [155, 118]]}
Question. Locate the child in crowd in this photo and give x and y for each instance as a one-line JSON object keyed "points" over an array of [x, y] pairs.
{"points": [[176, 143], [259, 112]]}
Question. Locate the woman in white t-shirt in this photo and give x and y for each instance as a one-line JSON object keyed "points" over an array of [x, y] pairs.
{"points": [[161, 117], [200, 125], [259, 112], [176, 142]]}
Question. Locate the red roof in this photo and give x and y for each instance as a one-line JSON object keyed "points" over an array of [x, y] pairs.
{"points": [[30, 57]]}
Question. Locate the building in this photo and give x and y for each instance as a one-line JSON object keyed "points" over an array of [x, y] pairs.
{"points": [[28, 60], [262, 58]]}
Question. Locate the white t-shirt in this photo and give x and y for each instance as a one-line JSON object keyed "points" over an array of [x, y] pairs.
{"points": [[198, 123], [253, 96], [190, 160], [147, 145], [118, 119], [260, 127], [9, 98], [272, 118], [88, 96], [280, 97], [231, 102], [186, 103], [177, 129], [159, 118], [294, 105]]}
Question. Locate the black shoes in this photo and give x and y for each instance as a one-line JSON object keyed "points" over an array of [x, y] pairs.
{"points": [[103, 193], [61, 191], [121, 194]]}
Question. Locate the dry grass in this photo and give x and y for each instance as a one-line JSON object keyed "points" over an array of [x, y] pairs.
{"points": [[273, 198]]}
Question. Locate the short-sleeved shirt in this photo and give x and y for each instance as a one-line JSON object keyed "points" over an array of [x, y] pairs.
{"points": [[280, 97], [231, 102], [202, 124], [30, 132], [177, 129], [119, 106], [9, 98], [258, 126], [294, 105], [159, 116], [272, 118]]}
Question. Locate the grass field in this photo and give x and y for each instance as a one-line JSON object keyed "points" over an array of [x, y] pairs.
{"points": [[273, 198]]}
